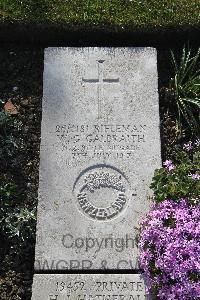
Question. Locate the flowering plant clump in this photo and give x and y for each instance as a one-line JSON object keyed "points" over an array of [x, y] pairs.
{"points": [[179, 178], [170, 250]]}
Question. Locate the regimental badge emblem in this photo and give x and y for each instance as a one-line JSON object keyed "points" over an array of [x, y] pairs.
{"points": [[101, 192]]}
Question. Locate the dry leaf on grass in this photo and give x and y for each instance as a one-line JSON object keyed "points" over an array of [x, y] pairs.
{"points": [[10, 108]]}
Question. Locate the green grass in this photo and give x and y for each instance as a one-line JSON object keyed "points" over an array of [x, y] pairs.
{"points": [[154, 13], [185, 85]]}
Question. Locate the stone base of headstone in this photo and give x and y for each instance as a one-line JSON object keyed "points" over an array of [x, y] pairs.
{"points": [[88, 287]]}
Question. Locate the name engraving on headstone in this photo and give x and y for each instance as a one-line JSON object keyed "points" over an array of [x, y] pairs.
{"points": [[101, 192], [117, 141]]}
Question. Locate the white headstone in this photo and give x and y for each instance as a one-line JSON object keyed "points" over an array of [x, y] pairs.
{"points": [[100, 145]]}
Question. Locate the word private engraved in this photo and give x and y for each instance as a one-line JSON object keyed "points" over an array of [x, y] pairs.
{"points": [[102, 192], [100, 81]]}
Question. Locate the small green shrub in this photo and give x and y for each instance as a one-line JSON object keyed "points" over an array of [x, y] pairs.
{"points": [[5, 119], [17, 223], [185, 87], [181, 178], [10, 140], [20, 224]]}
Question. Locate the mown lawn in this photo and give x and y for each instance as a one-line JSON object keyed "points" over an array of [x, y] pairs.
{"points": [[134, 13]]}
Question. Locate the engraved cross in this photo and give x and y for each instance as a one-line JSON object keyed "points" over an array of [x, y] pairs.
{"points": [[100, 81]]}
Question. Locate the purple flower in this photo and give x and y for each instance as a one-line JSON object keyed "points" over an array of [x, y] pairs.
{"points": [[187, 146], [194, 176], [169, 165], [170, 250], [197, 142]]}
